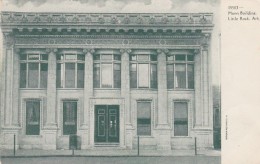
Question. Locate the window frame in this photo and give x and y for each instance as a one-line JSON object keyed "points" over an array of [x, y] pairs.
{"points": [[113, 62], [149, 62], [151, 117], [62, 115], [64, 62], [40, 115], [27, 62], [185, 62], [189, 121]]}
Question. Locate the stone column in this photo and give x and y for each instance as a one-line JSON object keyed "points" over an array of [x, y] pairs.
{"points": [[162, 90], [9, 93], [125, 83], [88, 93], [51, 90], [205, 85], [88, 82], [163, 127], [8, 81], [50, 128], [16, 76], [198, 119], [125, 94], [204, 115], [11, 82]]}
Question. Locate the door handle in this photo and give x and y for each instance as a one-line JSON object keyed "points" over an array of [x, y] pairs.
{"points": [[111, 124]]}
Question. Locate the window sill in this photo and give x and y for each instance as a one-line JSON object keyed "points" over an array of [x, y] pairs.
{"points": [[33, 88], [181, 137], [117, 89], [143, 89], [33, 136], [144, 136], [181, 89], [70, 88]]}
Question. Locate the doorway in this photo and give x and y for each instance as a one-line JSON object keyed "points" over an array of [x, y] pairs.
{"points": [[106, 123]]}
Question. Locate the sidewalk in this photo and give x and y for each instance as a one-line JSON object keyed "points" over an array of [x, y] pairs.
{"points": [[105, 153]]}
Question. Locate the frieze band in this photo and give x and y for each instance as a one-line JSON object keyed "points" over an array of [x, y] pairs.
{"points": [[107, 18], [96, 42]]}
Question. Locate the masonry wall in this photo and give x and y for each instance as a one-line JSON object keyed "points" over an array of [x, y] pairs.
{"points": [[13, 108]]}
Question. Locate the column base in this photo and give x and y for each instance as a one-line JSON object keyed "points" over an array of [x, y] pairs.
{"points": [[49, 139], [164, 140], [7, 139]]}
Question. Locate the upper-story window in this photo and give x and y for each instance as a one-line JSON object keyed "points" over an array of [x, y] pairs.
{"points": [[33, 70], [70, 70], [180, 71], [107, 71], [143, 71]]}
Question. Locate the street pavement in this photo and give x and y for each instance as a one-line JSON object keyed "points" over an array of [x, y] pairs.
{"points": [[200, 159]]}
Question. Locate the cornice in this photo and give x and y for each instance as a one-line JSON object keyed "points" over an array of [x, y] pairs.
{"points": [[106, 21]]}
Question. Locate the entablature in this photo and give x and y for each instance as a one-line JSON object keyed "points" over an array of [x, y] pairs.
{"points": [[106, 21]]}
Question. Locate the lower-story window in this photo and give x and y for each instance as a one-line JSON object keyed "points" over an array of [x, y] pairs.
{"points": [[144, 118], [32, 117], [69, 117], [180, 119]]}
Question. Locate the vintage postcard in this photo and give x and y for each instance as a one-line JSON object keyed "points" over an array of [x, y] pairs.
{"points": [[127, 81]]}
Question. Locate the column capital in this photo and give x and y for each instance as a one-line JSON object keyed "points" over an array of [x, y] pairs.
{"points": [[205, 40], [196, 51], [125, 50], [8, 39], [88, 50], [205, 47], [165, 51], [16, 50], [49, 50]]}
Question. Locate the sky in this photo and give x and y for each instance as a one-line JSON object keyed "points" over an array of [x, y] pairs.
{"points": [[112, 5], [127, 6]]}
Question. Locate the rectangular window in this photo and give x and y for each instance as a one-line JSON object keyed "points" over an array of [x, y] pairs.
{"points": [[180, 119], [69, 75], [44, 75], [80, 75], [96, 76], [170, 76], [144, 118], [107, 71], [23, 68], [190, 76], [59, 78], [117, 75], [133, 76], [143, 57], [33, 57], [153, 76], [143, 71], [180, 71], [33, 75], [180, 76], [33, 117], [106, 76], [70, 71], [33, 70], [69, 117]]}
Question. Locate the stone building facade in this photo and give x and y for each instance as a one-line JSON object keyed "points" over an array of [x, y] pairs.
{"points": [[108, 78]]}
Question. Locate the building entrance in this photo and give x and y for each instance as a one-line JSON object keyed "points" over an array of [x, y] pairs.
{"points": [[106, 123]]}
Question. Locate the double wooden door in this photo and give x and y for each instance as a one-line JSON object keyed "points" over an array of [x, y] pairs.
{"points": [[106, 123]]}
